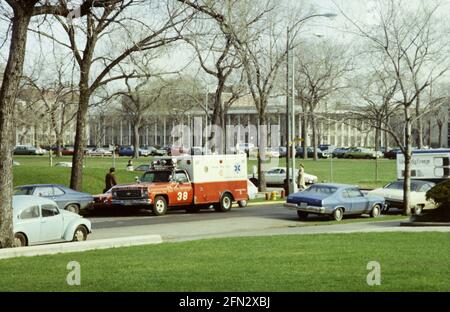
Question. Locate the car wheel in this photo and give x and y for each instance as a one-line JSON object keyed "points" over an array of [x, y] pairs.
{"points": [[20, 240], [226, 201], [73, 208], [302, 215], [242, 203], [338, 214], [160, 206], [80, 234], [376, 211], [418, 210]]}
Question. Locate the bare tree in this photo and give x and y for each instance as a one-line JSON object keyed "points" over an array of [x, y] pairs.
{"points": [[322, 69], [58, 96], [20, 13], [397, 39], [103, 23]]}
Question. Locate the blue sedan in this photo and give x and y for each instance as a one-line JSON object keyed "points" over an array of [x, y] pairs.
{"points": [[64, 197], [335, 200]]}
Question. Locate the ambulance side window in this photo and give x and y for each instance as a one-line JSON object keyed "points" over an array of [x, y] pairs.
{"points": [[181, 177]]}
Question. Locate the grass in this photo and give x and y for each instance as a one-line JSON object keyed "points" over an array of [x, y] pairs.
{"points": [[36, 169], [349, 171], [326, 262]]}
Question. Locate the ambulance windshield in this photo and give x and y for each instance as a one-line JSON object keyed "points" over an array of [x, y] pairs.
{"points": [[157, 176]]}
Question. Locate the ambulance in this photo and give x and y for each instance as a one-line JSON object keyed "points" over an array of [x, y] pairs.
{"points": [[430, 165], [191, 182]]}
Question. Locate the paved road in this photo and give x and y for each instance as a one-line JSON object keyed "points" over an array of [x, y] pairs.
{"points": [[250, 221]]}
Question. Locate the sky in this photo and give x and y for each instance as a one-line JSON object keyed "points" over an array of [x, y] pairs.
{"points": [[332, 30]]}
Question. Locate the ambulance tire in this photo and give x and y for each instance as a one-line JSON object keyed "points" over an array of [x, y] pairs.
{"points": [[160, 206], [242, 203], [225, 204]]}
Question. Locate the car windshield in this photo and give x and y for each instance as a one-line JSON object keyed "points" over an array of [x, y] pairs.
{"points": [[320, 189], [23, 191], [157, 176]]}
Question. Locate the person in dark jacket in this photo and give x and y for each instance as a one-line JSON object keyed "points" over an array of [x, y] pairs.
{"points": [[110, 180]]}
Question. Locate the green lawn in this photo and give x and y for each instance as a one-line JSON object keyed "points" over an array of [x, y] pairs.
{"points": [[36, 169], [326, 262]]}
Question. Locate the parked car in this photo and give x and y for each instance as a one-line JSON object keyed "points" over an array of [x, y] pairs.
{"points": [[68, 151], [129, 151], [99, 152], [327, 148], [277, 176], [335, 200], [299, 152], [38, 220], [359, 152], [28, 150], [244, 148], [65, 197], [160, 152], [283, 151], [271, 152], [339, 152], [393, 194], [392, 154]]}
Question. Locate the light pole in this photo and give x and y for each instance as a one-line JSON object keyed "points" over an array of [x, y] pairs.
{"points": [[290, 113]]}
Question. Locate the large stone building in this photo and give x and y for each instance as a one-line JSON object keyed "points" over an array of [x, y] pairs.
{"points": [[113, 128]]}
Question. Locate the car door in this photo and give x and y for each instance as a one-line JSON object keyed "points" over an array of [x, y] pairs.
{"points": [[280, 177], [51, 223], [44, 191], [29, 222], [272, 175], [60, 197], [182, 188], [359, 203]]}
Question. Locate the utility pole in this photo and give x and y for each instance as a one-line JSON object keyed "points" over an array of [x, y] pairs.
{"points": [[288, 150]]}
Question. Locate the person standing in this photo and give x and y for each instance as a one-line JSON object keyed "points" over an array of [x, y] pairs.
{"points": [[301, 178], [110, 180], [130, 166]]}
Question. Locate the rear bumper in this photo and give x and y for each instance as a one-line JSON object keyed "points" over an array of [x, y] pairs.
{"points": [[310, 209]]}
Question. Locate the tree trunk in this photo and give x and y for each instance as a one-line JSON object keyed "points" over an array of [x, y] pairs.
{"points": [[76, 178], [407, 174], [314, 135], [419, 124], [261, 147], [305, 135], [429, 133], [136, 144], [10, 85], [59, 144]]}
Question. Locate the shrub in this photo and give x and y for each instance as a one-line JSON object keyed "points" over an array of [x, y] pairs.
{"points": [[440, 194]]}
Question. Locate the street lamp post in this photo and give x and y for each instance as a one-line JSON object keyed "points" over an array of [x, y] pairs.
{"points": [[290, 113]]}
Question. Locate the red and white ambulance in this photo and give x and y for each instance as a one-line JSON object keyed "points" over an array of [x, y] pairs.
{"points": [[193, 182]]}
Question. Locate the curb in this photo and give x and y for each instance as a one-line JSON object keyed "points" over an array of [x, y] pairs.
{"points": [[79, 246], [410, 223]]}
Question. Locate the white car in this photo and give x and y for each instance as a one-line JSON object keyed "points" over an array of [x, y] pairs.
{"points": [[393, 194], [277, 175], [38, 220], [99, 152]]}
